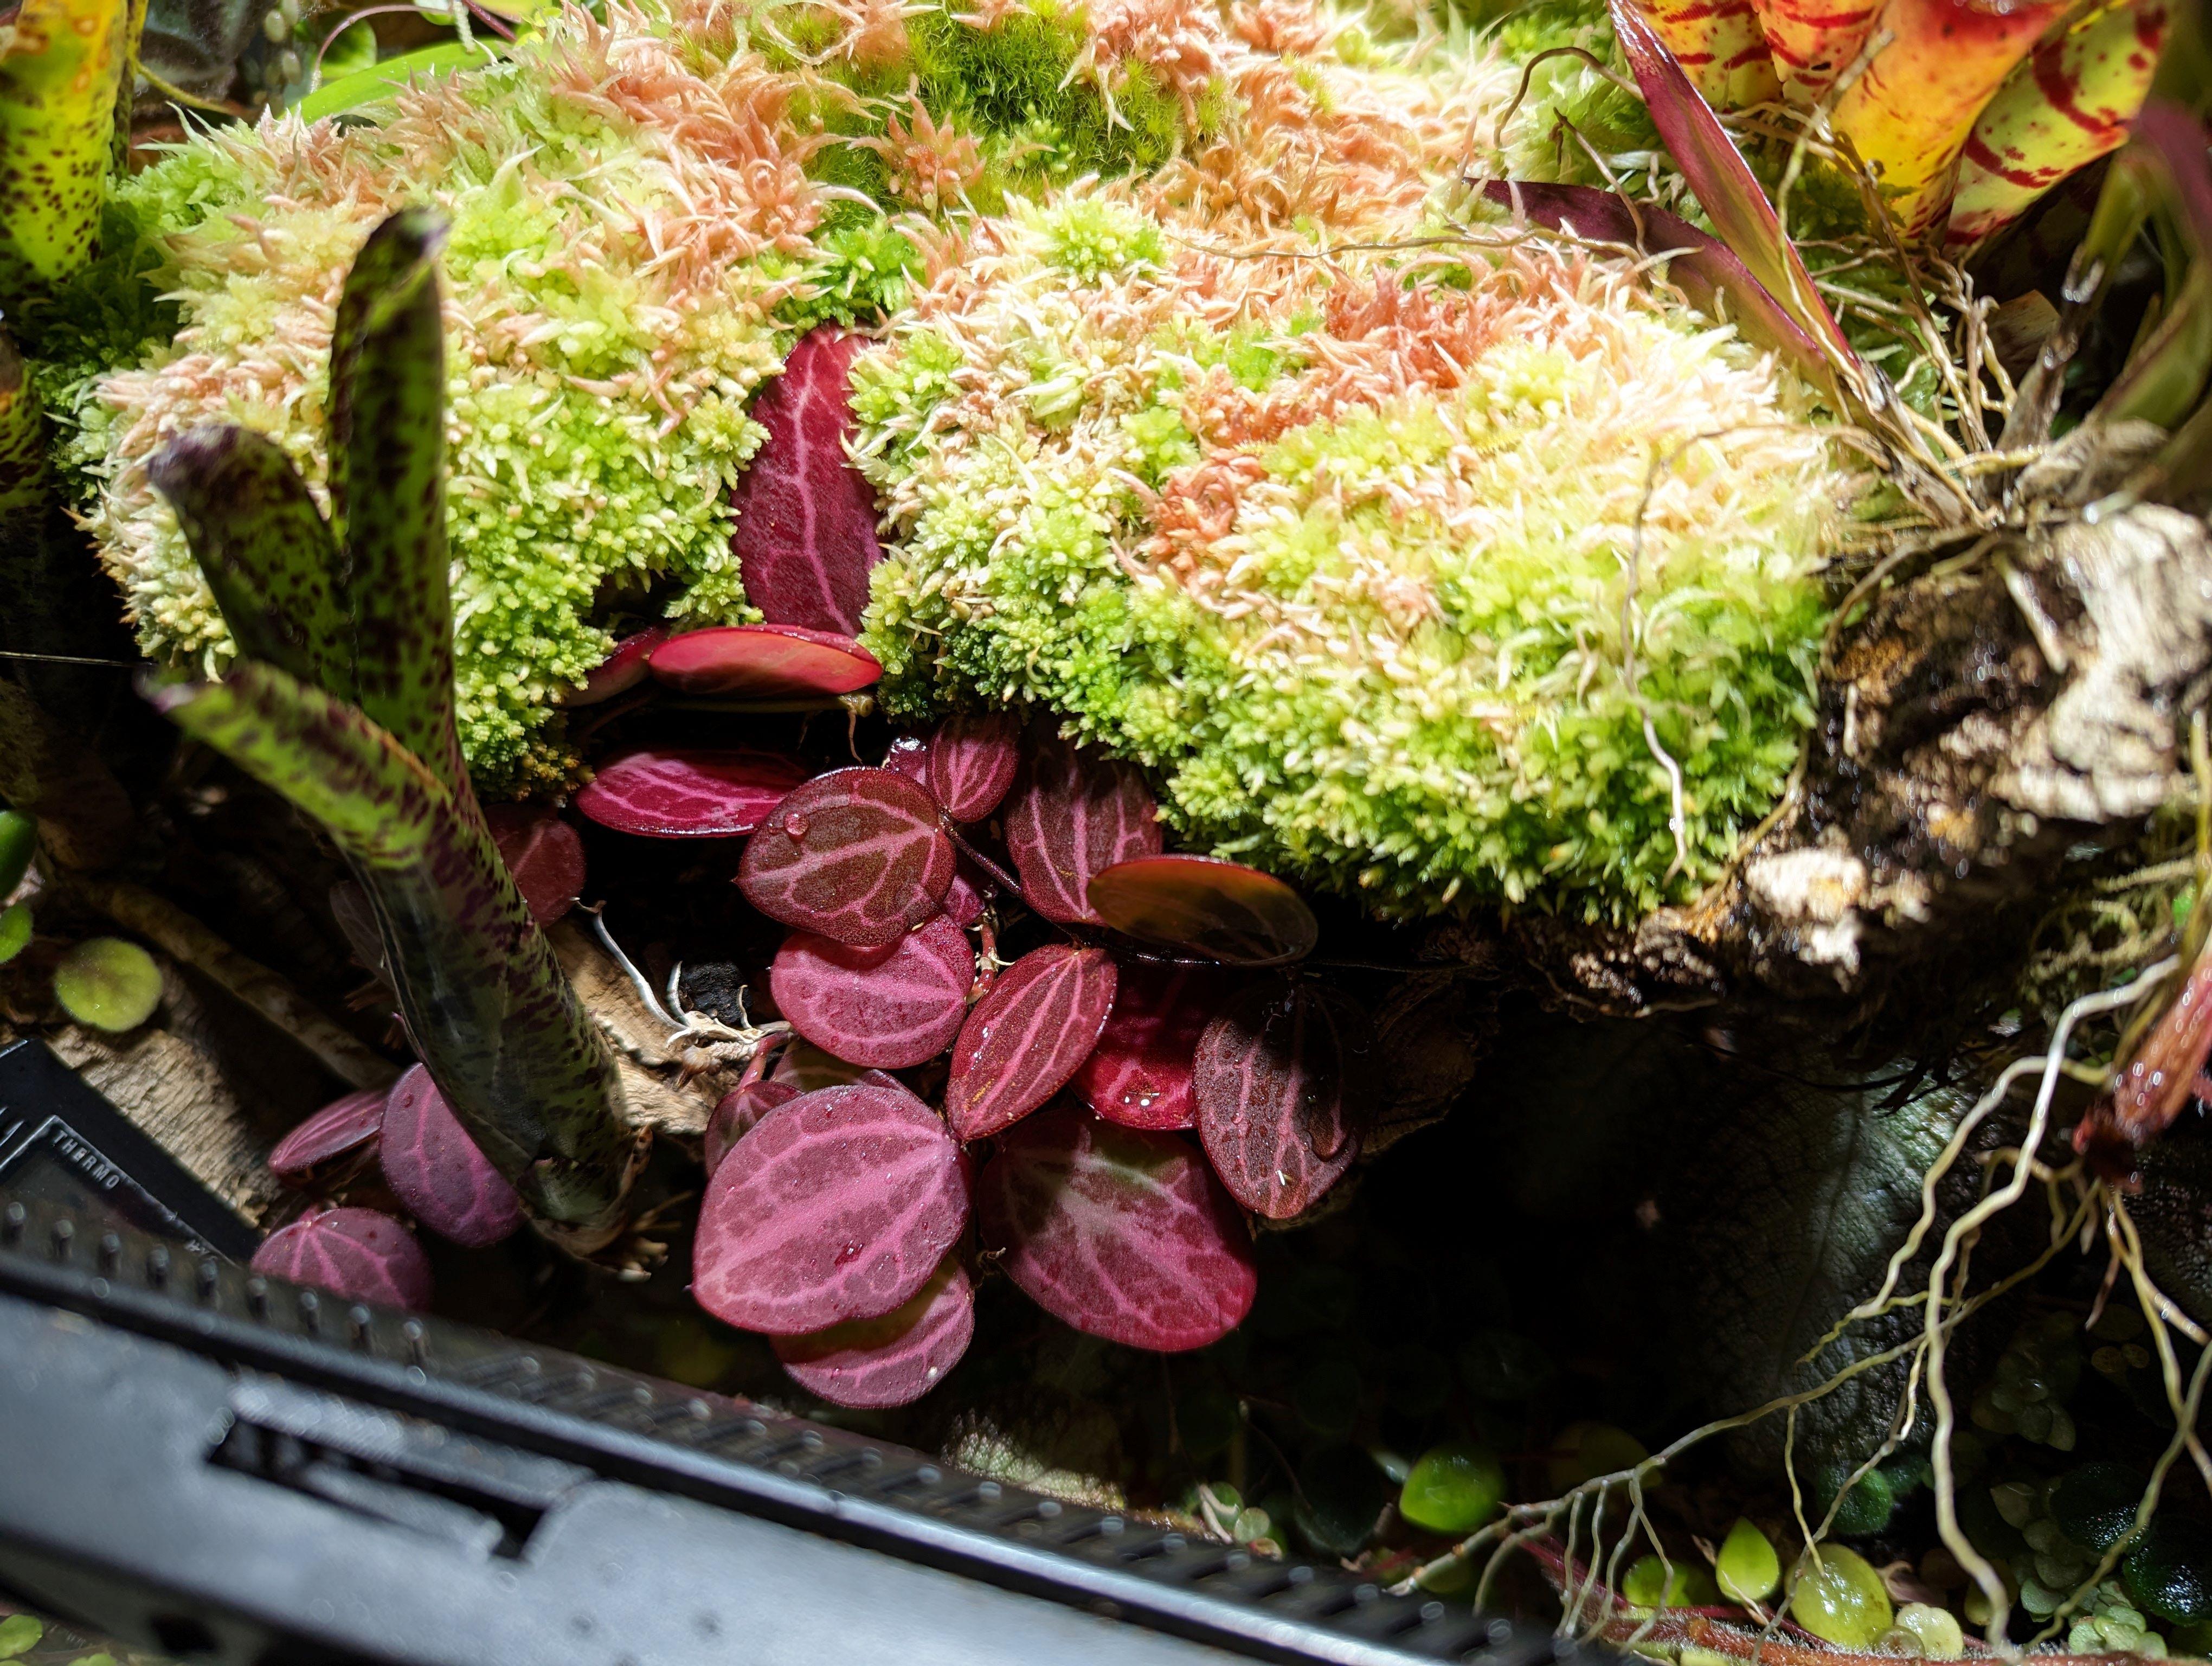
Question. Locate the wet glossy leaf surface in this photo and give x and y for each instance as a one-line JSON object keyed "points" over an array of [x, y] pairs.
{"points": [[1222, 910], [623, 670], [1121, 1232], [436, 1170], [806, 533], [855, 854], [343, 1127], [909, 755], [893, 1360], [544, 855], [358, 1254], [1280, 1082], [1027, 1037], [1070, 816], [1138, 1075], [888, 1009], [738, 1111], [972, 760], [764, 662], [837, 1205], [688, 794]]}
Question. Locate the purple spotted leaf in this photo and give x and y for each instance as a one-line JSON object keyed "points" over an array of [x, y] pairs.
{"points": [[437, 1170], [972, 760], [623, 670], [909, 755], [689, 792], [1222, 910], [764, 662], [888, 1009], [1281, 1083], [340, 1128], [805, 518], [358, 1254], [543, 852], [737, 1113], [1072, 815], [1138, 1075], [1024, 1041], [855, 854], [838, 1205], [893, 1360], [1121, 1232]]}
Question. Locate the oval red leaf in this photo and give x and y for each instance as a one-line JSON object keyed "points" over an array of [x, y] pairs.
{"points": [[339, 1129], [544, 855], [855, 854], [436, 1170], [886, 1011], [806, 533], [741, 1107], [688, 794], [1222, 910], [623, 670], [1138, 1075], [909, 755], [1072, 815], [1025, 1038], [806, 1067], [358, 1254], [973, 757], [837, 1206], [1121, 1232], [1280, 1081], [764, 662], [893, 1360]]}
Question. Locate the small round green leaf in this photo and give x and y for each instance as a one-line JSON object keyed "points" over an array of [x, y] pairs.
{"points": [[1454, 1488], [2094, 1504], [1748, 1569], [1841, 1599], [108, 983], [2170, 1570], [1652, 1584], [18, 1634], [14, 931], [1341, 1497], [1865, 1508], [19, 839]]}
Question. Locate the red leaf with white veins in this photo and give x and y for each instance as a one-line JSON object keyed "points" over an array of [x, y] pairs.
{"points": [[806, 533], [893, 1360], [689, 792], [440, 1173], [1025, 1039], [359, 1254], [1280, 1083], [624, 669], [1072, 815], [837, 1206], [1138, 1075], [888, 1012], [1121, 1232], [764, 662], [339, 1128], [855, 854], [738, 1111], [972, 760], [543, 852]]}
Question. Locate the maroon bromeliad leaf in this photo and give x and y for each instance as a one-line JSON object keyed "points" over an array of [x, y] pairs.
{"points": [[972, 760], [1138, 1075], [1072, 815], [764, 662], [887, 1009], [1280, 1082], [1222, 910], [837, 1206], [543, 852], [893, 1360], [1121, 1232], [855, 854], [340, 1128], [689, 792], [622, 671], [1025, 1038], [806, 519], [740, 1108], [358, 1254], [436, 1170]]}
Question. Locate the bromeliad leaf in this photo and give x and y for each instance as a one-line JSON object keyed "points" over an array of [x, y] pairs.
{"points": [[1279, 1082], [437, 1170], [1121, 1233], [688, 794], [1222, 910], [1138, 1075], [764, 662], [972, 760], [889, 1009], [893, 1360], [855, 854], [837, 1206], [1072, 815], [338, 1129], [358, 1254], [1027, 1037], [60, 69]]}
